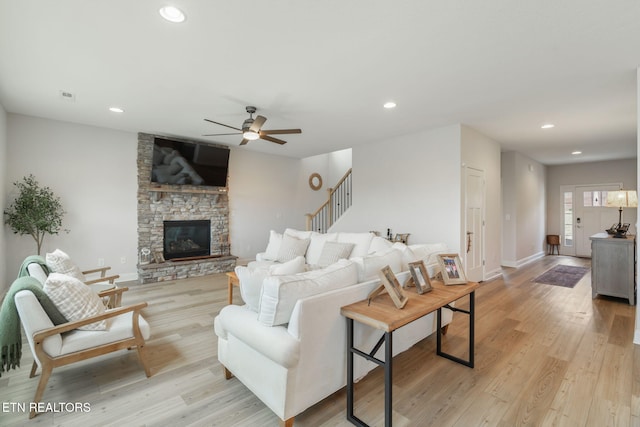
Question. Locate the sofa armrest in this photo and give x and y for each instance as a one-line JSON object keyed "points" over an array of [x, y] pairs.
{"points": [[272, 341]]}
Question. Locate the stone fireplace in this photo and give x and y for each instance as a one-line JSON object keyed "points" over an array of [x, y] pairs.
{"points": [[186, 209]]}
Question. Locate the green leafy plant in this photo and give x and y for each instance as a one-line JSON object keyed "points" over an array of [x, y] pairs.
{"points": [[36, 211]]}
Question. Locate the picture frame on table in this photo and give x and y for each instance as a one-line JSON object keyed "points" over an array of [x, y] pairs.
{"points": [[420, 277], [392, 286], [451, 269], [158, 257]]}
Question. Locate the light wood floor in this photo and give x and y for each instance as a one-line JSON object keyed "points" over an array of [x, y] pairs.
{"points": [[545, 355]]}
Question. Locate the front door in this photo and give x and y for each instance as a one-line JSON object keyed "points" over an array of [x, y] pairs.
{"points": [[474, 234], [592, 216]]}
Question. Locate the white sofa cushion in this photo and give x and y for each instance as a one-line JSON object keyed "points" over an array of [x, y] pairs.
{"points": [[317, 243], [59, 262], [74, 300], [251, 278], [299, 234], [370, 265], [361, 242], [280, 293], [273, 247], [292, 247], [429, 254], [379, 244], [250, 285], [334, 251]]}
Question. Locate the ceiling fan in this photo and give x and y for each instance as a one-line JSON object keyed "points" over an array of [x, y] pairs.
{"points": [[252, 129]]}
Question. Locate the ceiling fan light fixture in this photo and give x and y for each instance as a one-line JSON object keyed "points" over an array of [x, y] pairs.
{"points": [[250, 135], [172, 14]]}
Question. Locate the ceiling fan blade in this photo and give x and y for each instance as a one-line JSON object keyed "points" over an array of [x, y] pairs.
{"points": [[280, 131], [276, 140], [257, 123], [244, 141], [221, 134], [222, 124]]}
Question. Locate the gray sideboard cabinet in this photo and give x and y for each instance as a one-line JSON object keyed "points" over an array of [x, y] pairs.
{"points": [[613, 266]]}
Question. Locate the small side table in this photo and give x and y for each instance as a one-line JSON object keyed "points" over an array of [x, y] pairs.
{"points": [[233, 281]]}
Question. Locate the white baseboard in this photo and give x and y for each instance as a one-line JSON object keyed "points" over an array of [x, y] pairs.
{"points": [[524, 261]]}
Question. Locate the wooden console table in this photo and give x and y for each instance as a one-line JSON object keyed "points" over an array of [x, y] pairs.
{"points": [[382, 314]]}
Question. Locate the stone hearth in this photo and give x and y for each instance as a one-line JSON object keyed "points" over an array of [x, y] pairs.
{"points": [[157, 204]]}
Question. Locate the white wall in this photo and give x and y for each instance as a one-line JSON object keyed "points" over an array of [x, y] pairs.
{"points": [[93, 170], [480, 152], [609, 172], [410, 184], [262, 197], [636, 336], [524, 207], [4, 277]]}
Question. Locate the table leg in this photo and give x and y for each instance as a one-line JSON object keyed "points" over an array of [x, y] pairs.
{"points": [[230, 292], [388, 378], [350, 369], [471, 313]]}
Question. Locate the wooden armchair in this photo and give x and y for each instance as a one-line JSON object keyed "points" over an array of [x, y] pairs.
{"points": [[54, 346]]}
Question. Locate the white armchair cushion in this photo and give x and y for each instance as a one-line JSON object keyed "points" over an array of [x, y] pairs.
{"points": [[59, 262], [280, 293], [361, 242], [370, 265], [292, 247], [317, 243], [334, 251], [273, 247], [74, 300]]}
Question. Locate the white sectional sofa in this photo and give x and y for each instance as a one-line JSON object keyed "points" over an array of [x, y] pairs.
{"points": [[287, 344]]}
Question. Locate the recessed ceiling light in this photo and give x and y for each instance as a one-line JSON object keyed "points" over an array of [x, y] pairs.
{"points": [[116, 110], [575, 153], [172, 14], [548, 126], [389, 105]]}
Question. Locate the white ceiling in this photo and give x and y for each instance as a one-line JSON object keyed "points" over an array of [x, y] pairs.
{"points": [[503, 67]]}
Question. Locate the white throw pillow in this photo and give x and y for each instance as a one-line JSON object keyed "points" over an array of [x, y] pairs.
{"points": [[251, 285], [280, 293], [317, 243], [298, 233], [334, 251], [295, 266], [291, 247], [60, 262], [379, 245], [370, 265], [273, 247], [361, 242], [74, 300]]}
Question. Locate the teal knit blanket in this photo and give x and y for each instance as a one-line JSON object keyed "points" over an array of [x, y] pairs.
{"points": [[10, 337], [31, 259]]}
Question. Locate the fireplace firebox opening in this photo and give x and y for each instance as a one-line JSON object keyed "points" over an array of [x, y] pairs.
{"points": [[185, 239]]}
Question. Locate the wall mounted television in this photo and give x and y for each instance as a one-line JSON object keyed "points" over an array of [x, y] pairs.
{"points": [[189, 163]]}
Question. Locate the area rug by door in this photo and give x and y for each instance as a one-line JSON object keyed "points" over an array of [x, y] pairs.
{"points": [[562, 275]]}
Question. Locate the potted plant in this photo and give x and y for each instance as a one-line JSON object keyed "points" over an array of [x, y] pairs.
{"points": [[36, 211]]}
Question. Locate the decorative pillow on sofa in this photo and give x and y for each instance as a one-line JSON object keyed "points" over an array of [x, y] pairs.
{"points": [[317, 243], [334, 251], [250, 285], [295, 266], [361, 242], [74, 300], [291, 247], [280, 293], [60, 262], [370, 265], [275, 241], [379, 245]]}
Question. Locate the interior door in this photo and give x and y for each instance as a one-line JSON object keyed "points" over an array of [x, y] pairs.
{"points": [[474, 213], [592, 216]]}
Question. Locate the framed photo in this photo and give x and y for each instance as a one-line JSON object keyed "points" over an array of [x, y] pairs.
{"points": [[451, 268], [420, 276], [158, 257], [393, 287]]}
